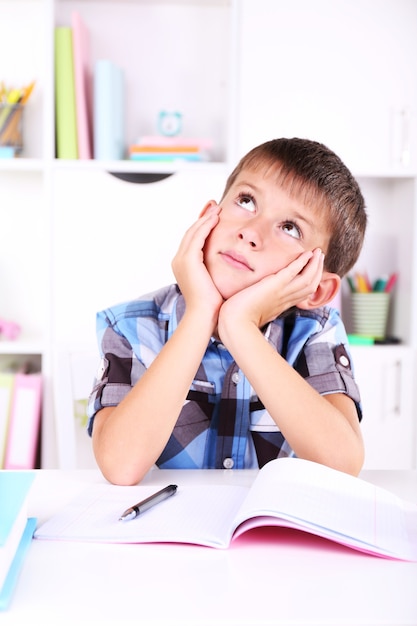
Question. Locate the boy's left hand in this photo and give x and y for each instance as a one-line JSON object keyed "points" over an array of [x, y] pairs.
{"points": [[267, 299]]}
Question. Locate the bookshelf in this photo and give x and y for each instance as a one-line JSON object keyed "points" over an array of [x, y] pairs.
{"points": [[239, 75]]}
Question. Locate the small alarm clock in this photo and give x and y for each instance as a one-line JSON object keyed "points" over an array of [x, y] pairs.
{"points": [[169, 123]]}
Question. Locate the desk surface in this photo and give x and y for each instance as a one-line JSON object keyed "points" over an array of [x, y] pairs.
{"points": [[294, 579]]}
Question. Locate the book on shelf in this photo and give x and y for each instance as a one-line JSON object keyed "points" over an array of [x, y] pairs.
{"points": [[163, 142], [290, 492], [65, 107], [16, 529], [83, 86], [23, 421], [168, 156], [6, 391], [108, 111]]}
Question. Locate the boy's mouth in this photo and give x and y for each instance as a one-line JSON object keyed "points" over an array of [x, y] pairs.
{"points": [[236, 260]]}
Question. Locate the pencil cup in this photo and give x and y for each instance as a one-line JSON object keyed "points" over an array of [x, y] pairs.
{"points": [[370, 313], [11, 122]]}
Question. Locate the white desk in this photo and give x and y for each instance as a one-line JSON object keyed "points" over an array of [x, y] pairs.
{"points": [[295, 579]]}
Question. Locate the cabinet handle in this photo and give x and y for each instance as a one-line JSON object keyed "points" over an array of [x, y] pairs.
{"points": [[142, 178], [398, 381]]}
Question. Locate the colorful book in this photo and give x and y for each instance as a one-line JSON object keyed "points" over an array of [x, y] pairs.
{"points": [[108, 111], [16, 530], [164, 149], [83, 86], [289, 492], [24, 423], [162, 141], [65, 108], [167, 156], [6, 392]]}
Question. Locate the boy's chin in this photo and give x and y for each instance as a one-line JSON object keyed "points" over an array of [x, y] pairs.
{"points": [[228, 292]]}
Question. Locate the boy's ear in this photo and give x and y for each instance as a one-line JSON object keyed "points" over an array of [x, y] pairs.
{"points": [[325, 292], [209, 204]]}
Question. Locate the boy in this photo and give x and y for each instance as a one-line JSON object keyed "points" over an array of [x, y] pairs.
{"points": [[240, 362]]}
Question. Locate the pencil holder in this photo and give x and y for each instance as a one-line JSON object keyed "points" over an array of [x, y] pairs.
{"points": [[11, 122], [370, 313]]}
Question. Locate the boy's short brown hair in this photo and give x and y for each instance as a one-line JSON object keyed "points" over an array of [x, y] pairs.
{"points": [[310, 169]]}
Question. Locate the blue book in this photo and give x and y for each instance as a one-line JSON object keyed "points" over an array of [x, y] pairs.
{"points": [[16, 531], [108, 111]]}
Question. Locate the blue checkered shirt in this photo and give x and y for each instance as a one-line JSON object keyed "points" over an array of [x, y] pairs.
{"points": [[222, 423]]}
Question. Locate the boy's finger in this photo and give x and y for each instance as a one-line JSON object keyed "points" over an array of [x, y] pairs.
{"points": [[200, 230]]}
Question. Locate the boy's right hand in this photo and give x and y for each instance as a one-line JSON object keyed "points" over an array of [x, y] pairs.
{"points": [[190, 272]]}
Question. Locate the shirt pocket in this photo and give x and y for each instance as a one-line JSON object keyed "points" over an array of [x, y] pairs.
{"points": [[201, 391], [260, 419]]}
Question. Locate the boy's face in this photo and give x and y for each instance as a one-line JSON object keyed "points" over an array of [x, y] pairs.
{"points": [[261, 229]]}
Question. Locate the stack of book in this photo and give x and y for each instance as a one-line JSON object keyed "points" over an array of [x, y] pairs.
{"points": [[16, 529], [169, 149]]}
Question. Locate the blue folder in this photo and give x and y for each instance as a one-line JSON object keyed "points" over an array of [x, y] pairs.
{"points": [[11, 580], [14, 488]]}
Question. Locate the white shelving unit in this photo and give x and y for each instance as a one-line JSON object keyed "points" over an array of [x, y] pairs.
{"points": [[75, 238], [70, 224]]}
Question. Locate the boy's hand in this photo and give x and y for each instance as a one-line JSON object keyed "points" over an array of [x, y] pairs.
{"points": [[274, 294], [191, 274]]}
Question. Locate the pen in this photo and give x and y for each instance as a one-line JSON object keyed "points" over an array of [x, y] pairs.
{"points": [[391, 282], [146, 504]]}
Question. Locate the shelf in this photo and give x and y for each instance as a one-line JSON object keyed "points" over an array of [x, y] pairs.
{"points": [[133, 167], [24, 346], [22, 165], [126, 165], [386, 174]]}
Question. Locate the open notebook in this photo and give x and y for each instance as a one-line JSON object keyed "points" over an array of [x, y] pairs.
{"points": [[293, 493]]}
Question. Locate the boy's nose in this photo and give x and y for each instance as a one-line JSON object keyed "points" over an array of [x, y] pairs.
{"points": [[248, 239], [251, 234]]}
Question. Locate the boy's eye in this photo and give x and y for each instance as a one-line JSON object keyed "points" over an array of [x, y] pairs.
{"points": [[291, 229], [246, 201]]}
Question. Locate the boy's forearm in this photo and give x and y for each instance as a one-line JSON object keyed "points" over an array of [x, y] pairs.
{"points": [[314, 428], [131, 438]]}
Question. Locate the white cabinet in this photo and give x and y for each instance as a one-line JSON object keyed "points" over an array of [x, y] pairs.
{"points": [[75, 239], [344, 73], [385, 377]]}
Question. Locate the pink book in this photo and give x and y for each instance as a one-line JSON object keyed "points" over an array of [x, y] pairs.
{"points": [[24, 423], [83, 86], [161, 141]]}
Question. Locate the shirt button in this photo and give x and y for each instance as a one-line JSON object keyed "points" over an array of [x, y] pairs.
{"points": [[343, 360], [228, 463], [235, 378]]}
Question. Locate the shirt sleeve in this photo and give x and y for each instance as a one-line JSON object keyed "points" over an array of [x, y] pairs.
{"points": [[119, 371], [325, 361]]}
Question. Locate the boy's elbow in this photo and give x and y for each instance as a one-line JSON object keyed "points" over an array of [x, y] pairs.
{"points": [[351, 462], [115, 464], [123, 474]]}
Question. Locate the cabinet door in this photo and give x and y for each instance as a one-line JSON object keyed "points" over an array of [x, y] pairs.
{"points": [[337, 71], [114, 240], [385, 378]]}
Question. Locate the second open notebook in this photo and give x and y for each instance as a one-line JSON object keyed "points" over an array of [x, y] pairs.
{"points": [[290, 492]]}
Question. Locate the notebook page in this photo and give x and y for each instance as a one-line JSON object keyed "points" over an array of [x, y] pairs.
{"points": [[332, 504], [199, 515]]}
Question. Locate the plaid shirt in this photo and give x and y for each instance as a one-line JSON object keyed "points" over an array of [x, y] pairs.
{"points": [[222, 424]]}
